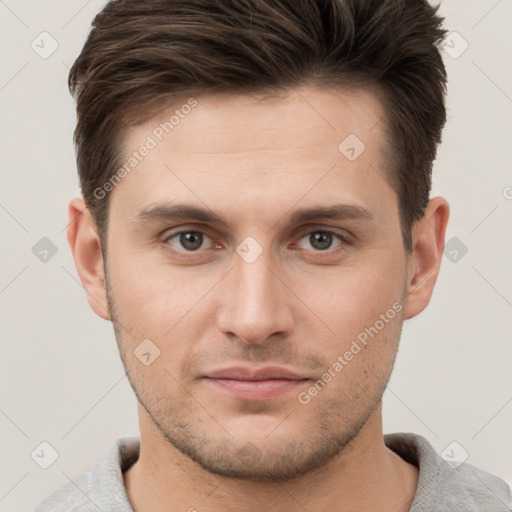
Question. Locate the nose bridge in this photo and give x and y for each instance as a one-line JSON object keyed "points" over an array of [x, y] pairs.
{"points": [[254, 306], [257, 288]]}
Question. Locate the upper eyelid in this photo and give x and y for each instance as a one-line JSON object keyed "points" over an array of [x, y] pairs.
{"points": [[328, 229]]}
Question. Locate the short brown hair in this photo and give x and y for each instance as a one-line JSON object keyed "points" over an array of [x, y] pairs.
{"points": [[143, 52]]}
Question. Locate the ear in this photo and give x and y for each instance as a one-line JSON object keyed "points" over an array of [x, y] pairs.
{"points": [[425, 259], [85, 245]]}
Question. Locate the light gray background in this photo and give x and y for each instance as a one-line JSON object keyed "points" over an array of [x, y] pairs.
{"points": [[61, 379]]}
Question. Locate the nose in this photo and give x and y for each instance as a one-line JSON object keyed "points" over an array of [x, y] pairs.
{"points": [[256, 303]]}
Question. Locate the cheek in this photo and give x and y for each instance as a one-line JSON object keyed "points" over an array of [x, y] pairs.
{"points": [[166, 306], [153, 295], [351, 298]]}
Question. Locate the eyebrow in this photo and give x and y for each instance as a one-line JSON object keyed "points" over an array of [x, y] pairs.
{"points": [[171, 212]]}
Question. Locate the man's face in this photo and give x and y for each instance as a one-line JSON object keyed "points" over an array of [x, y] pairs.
{"points": [[260, 288]]}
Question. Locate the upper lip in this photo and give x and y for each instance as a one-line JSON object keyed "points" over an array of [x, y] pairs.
{"points": [[244, 373]]}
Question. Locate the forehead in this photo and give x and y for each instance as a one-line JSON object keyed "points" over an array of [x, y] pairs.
{"points": [[241, 147], [224, 122]]}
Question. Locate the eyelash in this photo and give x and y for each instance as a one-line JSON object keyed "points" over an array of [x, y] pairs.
{"points": [[344, 241]]}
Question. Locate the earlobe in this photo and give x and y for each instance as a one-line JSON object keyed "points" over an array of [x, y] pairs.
{"points": [[85, 245], [426, 255]]}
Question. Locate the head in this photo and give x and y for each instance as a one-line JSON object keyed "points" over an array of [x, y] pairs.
{"points": [[256, 180]]}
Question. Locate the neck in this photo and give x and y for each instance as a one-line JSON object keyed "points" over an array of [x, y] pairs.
{"points": [[365, 476]]}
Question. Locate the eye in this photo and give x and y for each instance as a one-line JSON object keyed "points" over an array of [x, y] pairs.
{"points": [[189, 240], [321, 240]]}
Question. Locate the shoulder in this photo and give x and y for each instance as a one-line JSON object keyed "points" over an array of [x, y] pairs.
{"points": [[480, 487], [72, 497], [100, 488], [443, 485]]}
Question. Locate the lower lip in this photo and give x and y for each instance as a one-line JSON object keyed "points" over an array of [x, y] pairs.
{"points": [[256, 389]]}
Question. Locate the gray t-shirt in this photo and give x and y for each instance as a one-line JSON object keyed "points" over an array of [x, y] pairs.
{"points": [[442, 487]]}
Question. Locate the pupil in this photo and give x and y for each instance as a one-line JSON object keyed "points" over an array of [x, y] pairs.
{"points": [[191, 240], [321, 240]]}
